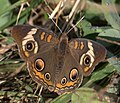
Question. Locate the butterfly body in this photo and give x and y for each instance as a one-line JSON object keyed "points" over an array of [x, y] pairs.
{"points": [[55, 62]]}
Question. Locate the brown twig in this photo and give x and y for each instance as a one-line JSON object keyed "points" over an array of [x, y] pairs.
{"points": [[109, 41]]}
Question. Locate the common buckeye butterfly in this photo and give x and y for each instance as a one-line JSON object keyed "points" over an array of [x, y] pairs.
{"points": [[56, 62]]}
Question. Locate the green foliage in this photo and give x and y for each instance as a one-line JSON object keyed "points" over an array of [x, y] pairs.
{"points": [[66, 97], [88, 95], [112, 17], [4, 16], [82, 95], [23, 15]]}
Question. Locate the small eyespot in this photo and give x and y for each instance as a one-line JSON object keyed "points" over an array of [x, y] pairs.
{"points": [[64, 81], [87, 60], [47, 76], [30, 46], [74, 74], [39, 64]]}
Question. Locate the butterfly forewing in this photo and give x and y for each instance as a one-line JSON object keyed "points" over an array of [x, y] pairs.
{"points": [[88, 53], [33, 39]]}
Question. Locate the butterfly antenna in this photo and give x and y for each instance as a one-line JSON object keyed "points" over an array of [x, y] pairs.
{"points": [[71, 15], [75, 25], [55, 24], [60, 6]]}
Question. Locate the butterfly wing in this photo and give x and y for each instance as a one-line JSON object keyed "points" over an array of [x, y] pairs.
{"points": [[37, 48], [33, 39], [87, 53], [72, 77], [42, 66]]}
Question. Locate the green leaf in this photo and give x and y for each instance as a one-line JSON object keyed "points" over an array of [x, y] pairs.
{"points": [[27, 87], [86, 26], [4, 18], [88, 29], [8, 7], [66, 97], [113, 33], [13, 93], [115, 62], [111, 16], [9, 66], [86, 95], [33, 4], [110, 34], [102, 72], [9, 40]]}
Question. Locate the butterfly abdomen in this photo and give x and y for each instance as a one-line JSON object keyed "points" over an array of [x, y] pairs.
{"points": [[61, 51], [62, 46]]}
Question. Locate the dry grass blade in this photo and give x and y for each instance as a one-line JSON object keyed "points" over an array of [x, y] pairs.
{"points": [[109, 41], [18, 70], [6, 48], [59, 6]]}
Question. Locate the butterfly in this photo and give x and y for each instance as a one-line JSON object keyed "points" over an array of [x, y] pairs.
{"points": [[56, 62]]}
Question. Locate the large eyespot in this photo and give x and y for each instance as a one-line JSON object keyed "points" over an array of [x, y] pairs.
{"points": [[30, 45], [87, 60], [64, 81], [39, 64], [74, 74], [47, 76]]}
